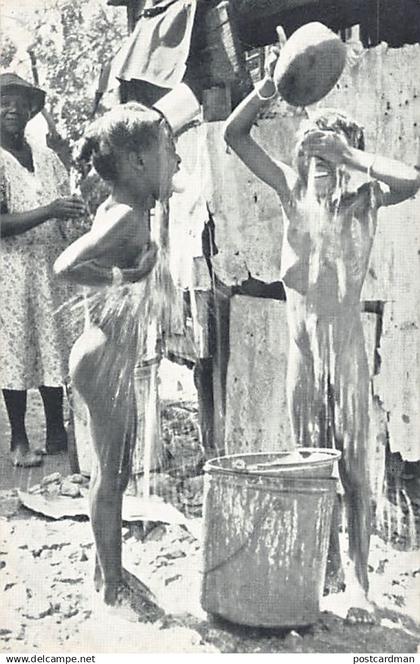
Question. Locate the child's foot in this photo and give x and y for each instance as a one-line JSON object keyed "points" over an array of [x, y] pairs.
{"points": [[56, 441], [352, 605], [132, 600]]}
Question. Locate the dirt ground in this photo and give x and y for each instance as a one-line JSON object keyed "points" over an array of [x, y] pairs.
{"points": [[49, 603]]}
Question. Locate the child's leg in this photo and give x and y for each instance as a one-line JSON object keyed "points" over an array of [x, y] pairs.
{"points": [[321, 333], [300, 389], [357, 500], [94, 373], [102, 372], [112, 451], [300, 373], [334, 581], [351, 432]]}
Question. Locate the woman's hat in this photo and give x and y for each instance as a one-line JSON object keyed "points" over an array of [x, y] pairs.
{"points": [[36, 96]]}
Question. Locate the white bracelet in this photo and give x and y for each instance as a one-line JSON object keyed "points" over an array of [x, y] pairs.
{"points": [[117, 276], [260, 96]]}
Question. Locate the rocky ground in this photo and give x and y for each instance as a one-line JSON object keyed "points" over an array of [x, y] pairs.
{"points": [[49, 604]]}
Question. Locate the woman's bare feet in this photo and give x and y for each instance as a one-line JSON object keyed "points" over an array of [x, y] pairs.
{"points": [[25, 458], [20, 453]]}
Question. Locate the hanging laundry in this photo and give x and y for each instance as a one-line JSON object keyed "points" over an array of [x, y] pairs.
{"points": [[159, 46]]}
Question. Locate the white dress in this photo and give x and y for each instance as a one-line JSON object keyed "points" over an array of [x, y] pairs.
{"points": [[34, 343]]}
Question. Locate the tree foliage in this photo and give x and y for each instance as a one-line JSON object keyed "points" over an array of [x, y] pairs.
{"points": [[72, 39], [72, 63], [8, 50]]}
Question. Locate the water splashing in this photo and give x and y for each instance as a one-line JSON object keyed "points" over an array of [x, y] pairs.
{"points": [[412, 531], [149, 433], [125, 315], [395, 519]]}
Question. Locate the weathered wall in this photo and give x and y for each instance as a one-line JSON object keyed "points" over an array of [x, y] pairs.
{"points": [[381, 91], [256, 407]]}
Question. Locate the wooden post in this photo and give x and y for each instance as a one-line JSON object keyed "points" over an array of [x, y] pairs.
{"points": [[221, 302], [216, 106], [203, 381], [217, 103]]}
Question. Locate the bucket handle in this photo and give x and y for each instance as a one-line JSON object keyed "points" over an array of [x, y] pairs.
{"points": [[248, 540]]}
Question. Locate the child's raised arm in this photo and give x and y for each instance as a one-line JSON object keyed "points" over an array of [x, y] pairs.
{"points": [[238, 136], [403, 181]]}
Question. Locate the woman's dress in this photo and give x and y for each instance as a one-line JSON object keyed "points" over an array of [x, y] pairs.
{"points": [[34, 342]]}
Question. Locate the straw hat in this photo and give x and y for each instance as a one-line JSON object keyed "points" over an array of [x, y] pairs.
{"points": [[36, 96]]}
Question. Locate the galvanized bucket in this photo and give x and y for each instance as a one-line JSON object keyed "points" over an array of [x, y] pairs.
{"points": [[266, 540]]}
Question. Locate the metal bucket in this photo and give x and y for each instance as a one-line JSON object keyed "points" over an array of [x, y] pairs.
{"points": [[266, 539]]}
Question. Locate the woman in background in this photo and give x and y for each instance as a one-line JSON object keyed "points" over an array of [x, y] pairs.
{"points": [[34, 197]]}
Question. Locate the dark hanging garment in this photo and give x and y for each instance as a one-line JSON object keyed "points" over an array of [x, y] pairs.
{"points": [[158, 48]]}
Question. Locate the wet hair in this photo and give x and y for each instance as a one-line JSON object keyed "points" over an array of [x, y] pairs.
{"points": [[329, 119], [126, 127]]}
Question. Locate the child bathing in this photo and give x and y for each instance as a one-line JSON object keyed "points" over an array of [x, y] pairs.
{"points": [[328, 237], [131, 147]]}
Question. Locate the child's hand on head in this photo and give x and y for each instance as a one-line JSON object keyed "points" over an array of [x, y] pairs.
{"points": [[327, 145]]}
